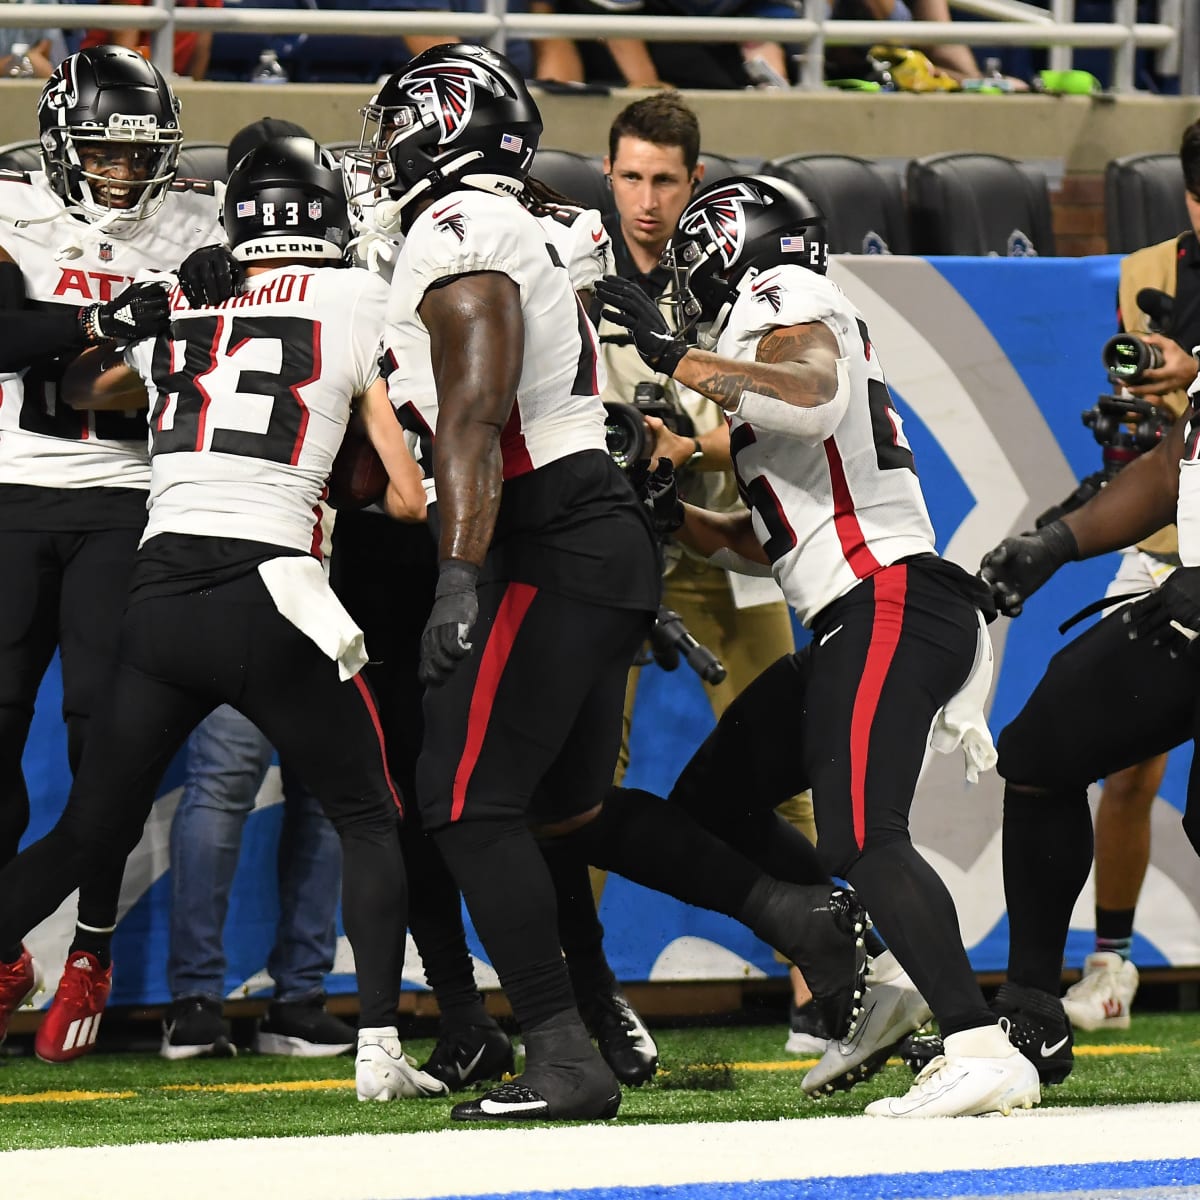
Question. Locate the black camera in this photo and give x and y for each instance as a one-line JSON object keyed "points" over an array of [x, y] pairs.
{"points": [[1127, 358], [625, 427]]}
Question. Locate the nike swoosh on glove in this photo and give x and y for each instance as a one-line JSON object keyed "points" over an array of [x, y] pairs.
{"points": [[625, 304], [444, 641], [1170, 615], [1017, 567], [142, 310], [210, 276]]}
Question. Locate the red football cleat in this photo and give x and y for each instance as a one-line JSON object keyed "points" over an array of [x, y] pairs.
{"points": [[69, 1028], [18, 982]]}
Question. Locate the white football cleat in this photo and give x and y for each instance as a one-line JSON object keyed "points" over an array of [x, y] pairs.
{"points": [[382, 1071], [1103, 997], [891, 1009], [965, 1087]]}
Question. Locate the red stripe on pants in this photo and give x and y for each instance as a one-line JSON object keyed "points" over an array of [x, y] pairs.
{"points": [[890, 584], [369, 701], [513, 607]]}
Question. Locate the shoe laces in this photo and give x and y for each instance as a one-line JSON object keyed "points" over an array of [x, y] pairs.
{"points": [[79, 985], [930, 1073], [16, 975]]}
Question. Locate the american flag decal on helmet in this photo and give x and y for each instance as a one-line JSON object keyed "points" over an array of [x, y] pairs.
{"points": [[721, 217]]}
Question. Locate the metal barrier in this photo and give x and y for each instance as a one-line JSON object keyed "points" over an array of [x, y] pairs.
{"points": [[1005, 23]]}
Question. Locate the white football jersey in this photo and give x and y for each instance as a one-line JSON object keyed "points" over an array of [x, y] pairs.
{"points": [[557, 410], [582, 243], [44, 442], [1187, 511], [249, 402], [830, 514]]}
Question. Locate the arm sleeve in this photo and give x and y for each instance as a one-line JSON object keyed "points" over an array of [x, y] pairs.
{"points": [[30, 334]]}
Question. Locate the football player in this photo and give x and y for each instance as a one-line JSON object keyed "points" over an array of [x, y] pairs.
{"points": [[547, 577], [837, 515], [228, 602], [105, 206]]}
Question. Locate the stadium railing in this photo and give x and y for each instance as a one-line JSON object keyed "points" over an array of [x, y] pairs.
{"points": [[1001, 23]]}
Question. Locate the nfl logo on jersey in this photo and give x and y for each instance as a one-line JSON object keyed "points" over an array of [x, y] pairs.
{"points": [[106, 251]]}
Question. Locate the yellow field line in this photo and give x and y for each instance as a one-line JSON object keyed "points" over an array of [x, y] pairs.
{"points": [[315, 1085], [64, 1097]]}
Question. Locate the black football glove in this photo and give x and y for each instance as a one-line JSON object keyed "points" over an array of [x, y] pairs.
{"points": [[625, 304], [1017, 567], [210, 275], [659, 494], [1162, 617], [142, 310], [455, 606]]}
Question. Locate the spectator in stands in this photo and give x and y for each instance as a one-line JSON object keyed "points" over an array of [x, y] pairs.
{"points": [[192, 50], [956, 61], [635, 63], [45, 47]]}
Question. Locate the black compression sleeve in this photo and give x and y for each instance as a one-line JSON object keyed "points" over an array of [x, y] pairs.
{"points": [[29, 335]]}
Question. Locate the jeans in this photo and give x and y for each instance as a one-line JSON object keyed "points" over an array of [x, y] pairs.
{"points": [[227, 759]]}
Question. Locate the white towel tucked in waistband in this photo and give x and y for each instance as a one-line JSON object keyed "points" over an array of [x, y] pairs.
{"points": [[302, 594], [961, 722]]}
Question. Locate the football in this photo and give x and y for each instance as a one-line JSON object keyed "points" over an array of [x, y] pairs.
{"points": [[358, 476]]}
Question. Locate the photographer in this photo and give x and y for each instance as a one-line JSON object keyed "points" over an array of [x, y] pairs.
{"points": [[1159, 306], [653, 167]]}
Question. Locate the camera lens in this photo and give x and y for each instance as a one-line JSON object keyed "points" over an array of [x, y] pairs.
{"points": [[624, 433], [1127, 358]]}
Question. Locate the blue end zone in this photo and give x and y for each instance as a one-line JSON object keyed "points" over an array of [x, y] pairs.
{"points": [[1163, 1179]]}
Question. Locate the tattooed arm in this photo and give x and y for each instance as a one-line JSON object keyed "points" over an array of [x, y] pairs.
{"points": [[795, 365]]}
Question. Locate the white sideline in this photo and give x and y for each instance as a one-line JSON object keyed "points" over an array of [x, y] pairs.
{"points": [[467, 1161]]}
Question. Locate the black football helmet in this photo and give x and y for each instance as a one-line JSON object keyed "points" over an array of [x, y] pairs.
{"points": [[285, 200], [456, 114], [739, 224], [105, 95]]}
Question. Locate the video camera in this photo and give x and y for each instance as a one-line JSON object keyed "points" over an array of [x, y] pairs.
{"points": [[625, 427], [1124, 426]]}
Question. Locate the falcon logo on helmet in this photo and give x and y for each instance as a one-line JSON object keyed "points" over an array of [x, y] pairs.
{"points": [[449, 89], [722, 219]]}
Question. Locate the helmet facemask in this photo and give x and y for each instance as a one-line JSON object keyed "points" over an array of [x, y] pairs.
{"points": [[698, 295]]}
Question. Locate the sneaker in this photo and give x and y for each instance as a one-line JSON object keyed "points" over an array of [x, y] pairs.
{"points": [[621, 1037], [303, 1029], [470, 1055], [382, 1071], [807, 1033], [20, 981], [193, 1027], [1035, 1023], [564, 1080], [892, 1009], [69, 1028], [1102, 998], [965, 1087]]}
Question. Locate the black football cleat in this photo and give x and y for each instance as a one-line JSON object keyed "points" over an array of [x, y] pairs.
{"points": [[821, 929], [564, 1080], [1038, 1027], [470, 1055], [1035, 1023], [621, 1037]]}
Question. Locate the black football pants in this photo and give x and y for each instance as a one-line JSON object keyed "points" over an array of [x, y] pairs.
{"points": [[1104, 703], [179, 657]]}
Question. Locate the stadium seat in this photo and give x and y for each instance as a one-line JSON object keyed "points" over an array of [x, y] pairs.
{"points": [[721, 166], [576, 176], [21, 156], [1143, 201], [863, 201], [203, 160], [978, 204]]}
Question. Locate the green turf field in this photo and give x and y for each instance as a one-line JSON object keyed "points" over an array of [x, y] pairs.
{"points": [[723, 1074]]}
